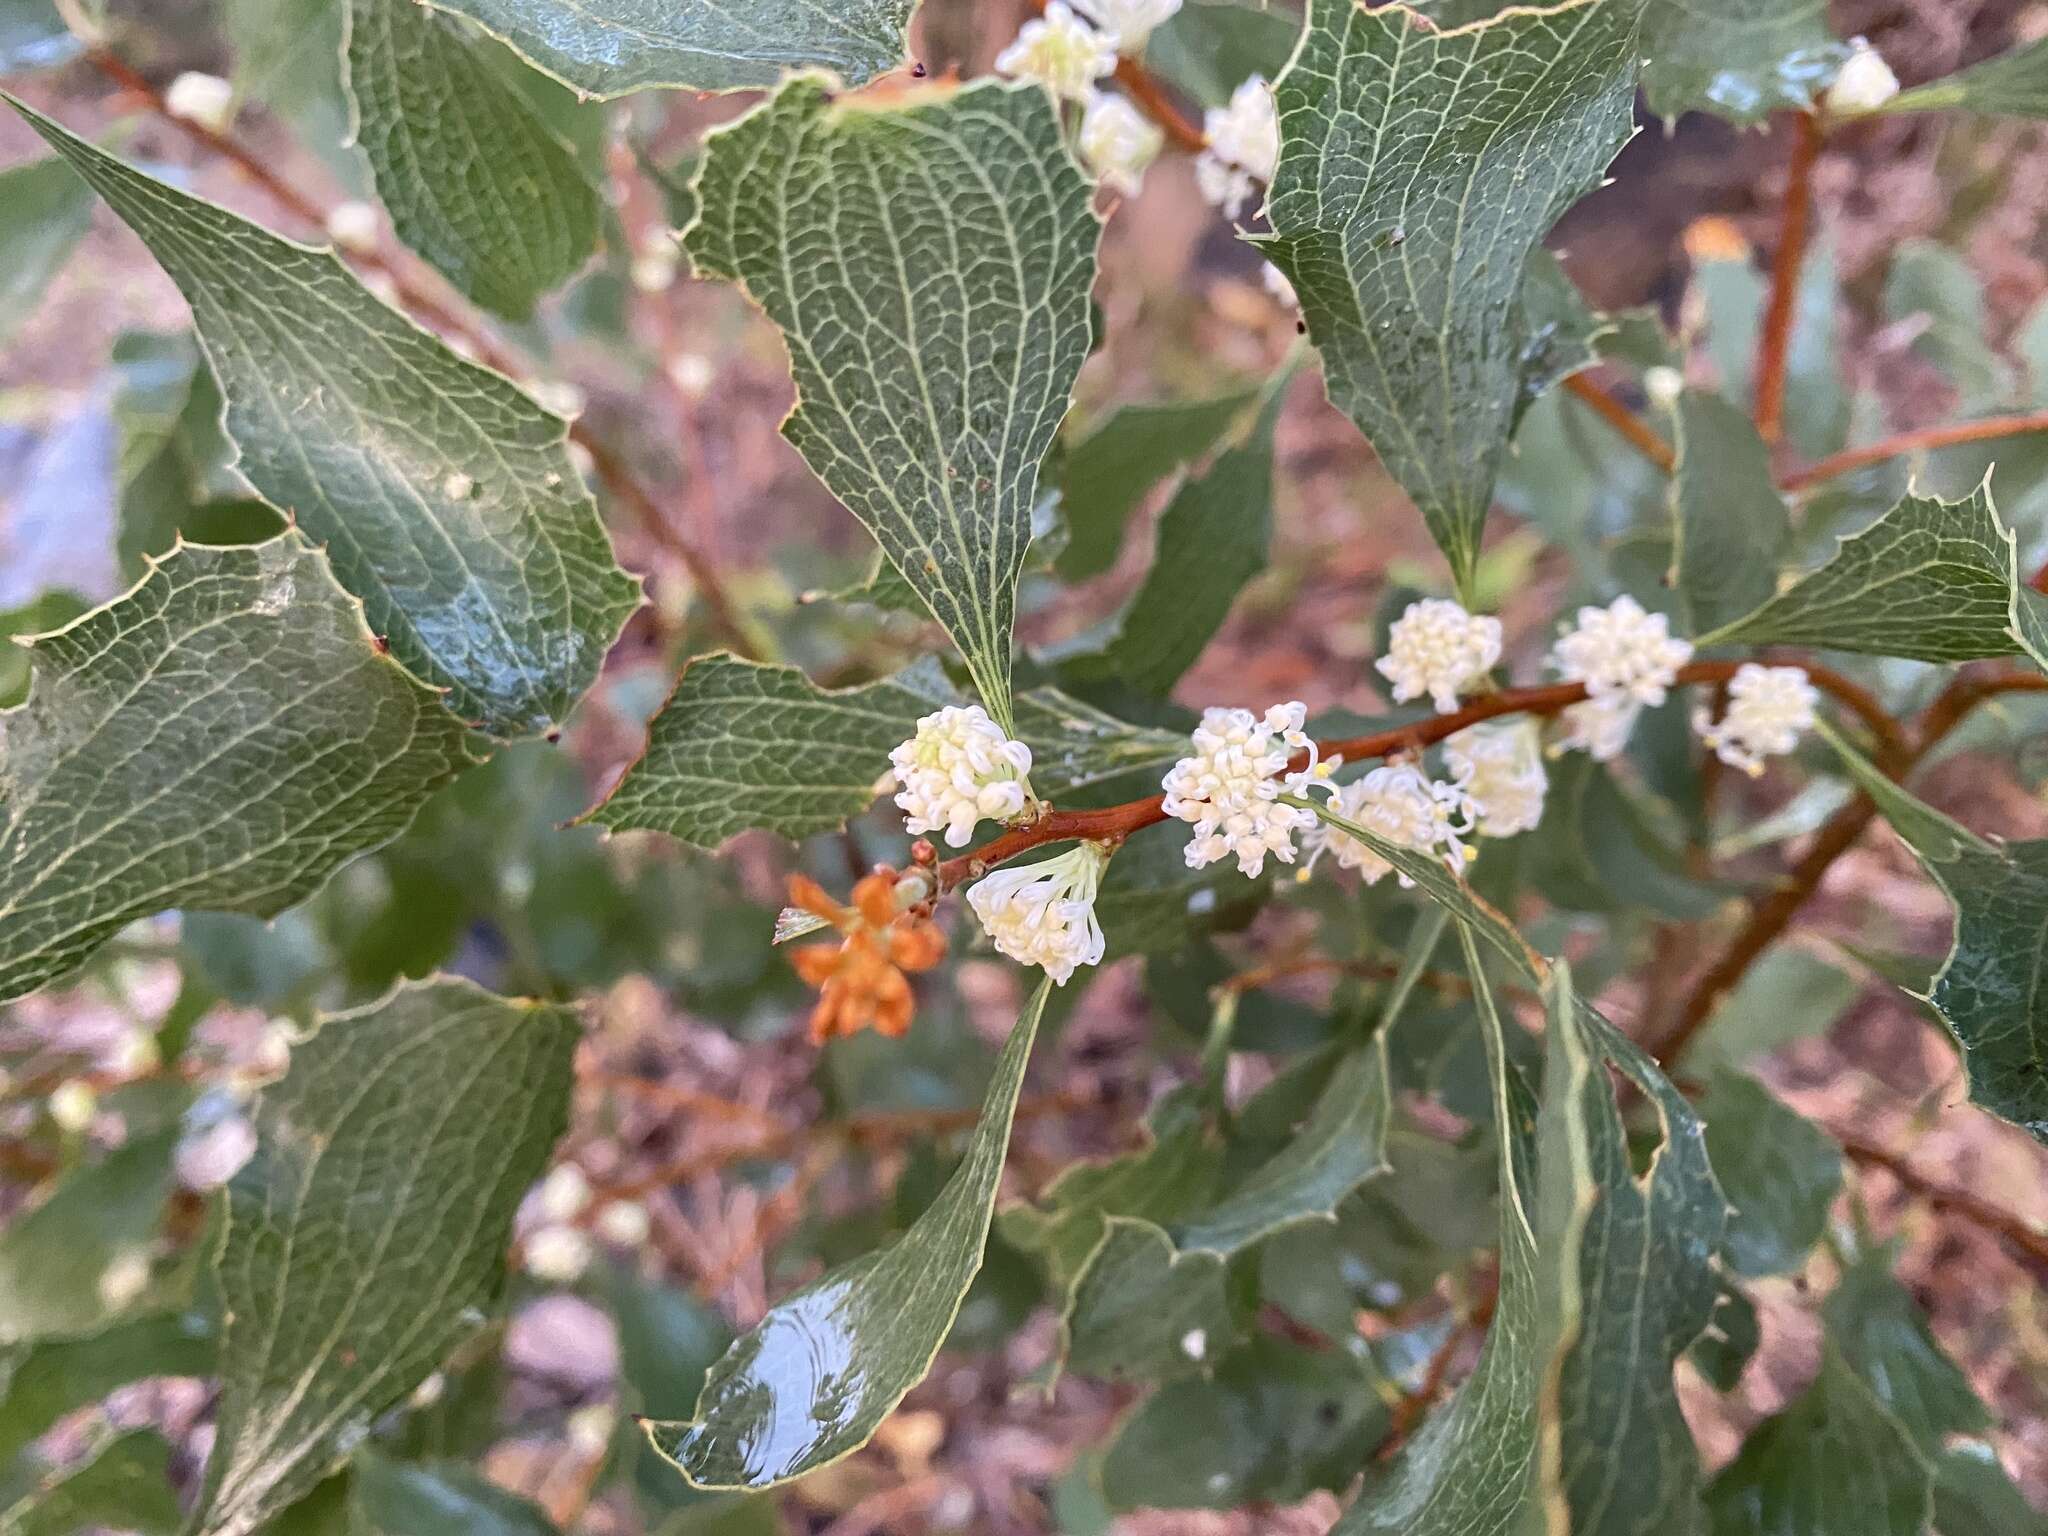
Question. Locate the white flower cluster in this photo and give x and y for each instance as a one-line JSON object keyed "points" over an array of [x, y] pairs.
{"points": [[958, 769], [1044, 914], [1439, 649], [1061, 51], [1230, 788], [1627, 659], [1403, 805], [558, 1251], [1243, 146], [1499, 765], [1767, 709], [1117, 142], [1130, 22]]}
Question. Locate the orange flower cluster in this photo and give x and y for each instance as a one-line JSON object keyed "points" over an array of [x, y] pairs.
{"points": [[861, 980]]}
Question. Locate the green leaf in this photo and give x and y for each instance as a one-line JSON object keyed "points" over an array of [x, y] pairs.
{"points": [[1730, 524], [1564, 331], [1974, 1497], [1595, 851], [396, 1498], [1208, 46], [1211, 540], [1833, 1464], [1724, 1351], [2014, 84], [1992, 990], [1739, 59], [1790, 994], [1931, 580], [1108, 472], [1779, 1171], [1273, 1424], [124, 1483], [53, 1255], [1142, 1310], [1404, 212], [44, 1381], [1605, 1278], [936, 329], [367, 1237], [475, 181], [222, 737], [1935, 292], [1883, 1337], [287, 58], [743, 745], [48, 212], [445, 495], [611, 47], [811, 1382]]}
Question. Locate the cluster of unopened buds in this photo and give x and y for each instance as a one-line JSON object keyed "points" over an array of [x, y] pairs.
{"points": [[572, 1221], [1249, 790], [1072, 48]]}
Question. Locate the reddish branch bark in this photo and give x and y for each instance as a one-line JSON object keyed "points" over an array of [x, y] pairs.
{"points": [[1115, 823], [1775, 343], [1633, 429], [1915, 442]]}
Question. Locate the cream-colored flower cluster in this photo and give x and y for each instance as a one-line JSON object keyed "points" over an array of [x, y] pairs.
{"points": [[959, 769], [1628, 659], [1243, 146], [1230, 789]]}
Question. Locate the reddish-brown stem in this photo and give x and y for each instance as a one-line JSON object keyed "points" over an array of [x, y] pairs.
{"points": [[1914, 442], [2029, 1239], [1183, 131], [1408, 1413], [424, 305], [1774, 345], [1634, 431], [1112, 824], [1835, 838]]}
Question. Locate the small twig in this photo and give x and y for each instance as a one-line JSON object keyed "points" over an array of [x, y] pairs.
{"points": [[424, 305], [2021, 1233], [691, 1100], [1409, 1412], [1636, 432], [1116, 822], [1774, 345], [1148, 93], [1915, 442]]}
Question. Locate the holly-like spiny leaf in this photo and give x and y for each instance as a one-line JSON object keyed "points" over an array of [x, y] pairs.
{"points": [[474, 179], [367, 1237], [1992, 990], [1931, 580], [610, 47], [1418, 170], [811, 1382], [941, 318], [446, 497], [1880, 1330], [1730, 527], [1780, 1172], [223, 737]]}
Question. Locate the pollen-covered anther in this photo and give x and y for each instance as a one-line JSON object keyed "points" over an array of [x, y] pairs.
{"points": [[1437, 648], [959, 769], [1044, 914], [1768, 709], [863, 981], [1400, 804], [1230, 789]]}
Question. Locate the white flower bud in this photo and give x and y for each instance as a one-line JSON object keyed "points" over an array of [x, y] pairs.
{"points": [[1865, 83], [273, 1053], [1117, 141], [1499, 763], [72, 1105], [590, 1428], [1244, 146], [564, 1193], [692, 375], [1439, 649], [1230, 788], [1044, 914], [1768, 707], [1403, 805], [124, 1279], [1060, 51], [353, 226], [1277, 285], [1130, 22], [204, 100], [207, 1157], [623, 1223], [1663, 385], [428, 1392], [1628, 659], [558, 1255], [958, 769], [654, 269]]}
